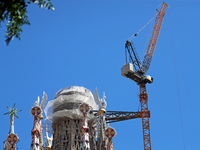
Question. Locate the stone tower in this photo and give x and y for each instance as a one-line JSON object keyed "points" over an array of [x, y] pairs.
{"points": [[67, 118]]}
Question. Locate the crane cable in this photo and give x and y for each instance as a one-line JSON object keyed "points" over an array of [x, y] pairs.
{"points": [[147, 40], [134, 35], [177, 85]]}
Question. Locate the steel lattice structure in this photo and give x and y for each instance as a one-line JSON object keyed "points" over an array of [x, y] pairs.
{"points": [[145, 115], [138, 74]]}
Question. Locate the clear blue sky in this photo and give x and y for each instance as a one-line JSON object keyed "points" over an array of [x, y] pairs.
{"points": [[82, 43]]}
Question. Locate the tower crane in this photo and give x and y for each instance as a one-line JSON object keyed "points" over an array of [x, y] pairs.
{"points": [[136, 71]]}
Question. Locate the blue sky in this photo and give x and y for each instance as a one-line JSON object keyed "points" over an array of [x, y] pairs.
{"points": [[82, 43]]}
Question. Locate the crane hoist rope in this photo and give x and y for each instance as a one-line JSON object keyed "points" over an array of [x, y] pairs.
{"points": [[177, 83], [134, 35]]}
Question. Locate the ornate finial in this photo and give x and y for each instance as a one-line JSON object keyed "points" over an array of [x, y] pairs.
{"points": [[12, 138], [101, 103], [110, 133], [12, 113], [37, 134]]}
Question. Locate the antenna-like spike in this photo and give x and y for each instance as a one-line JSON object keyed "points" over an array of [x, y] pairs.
{"points": [[44, 100], [38, 100]]}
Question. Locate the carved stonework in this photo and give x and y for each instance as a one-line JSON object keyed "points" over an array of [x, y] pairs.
{"points": [[67, 135]]}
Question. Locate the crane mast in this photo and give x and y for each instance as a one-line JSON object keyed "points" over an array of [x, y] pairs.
{"points": [[139, 74], [145, 65]]}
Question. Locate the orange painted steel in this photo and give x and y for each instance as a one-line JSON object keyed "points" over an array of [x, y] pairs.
{"points": [[154, 37], [145, 115]]}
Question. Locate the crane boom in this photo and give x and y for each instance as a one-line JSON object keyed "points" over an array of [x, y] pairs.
{"points": [[154, 37]]}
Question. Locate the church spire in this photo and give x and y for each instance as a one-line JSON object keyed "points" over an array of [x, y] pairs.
{"points": [[12, 138]]}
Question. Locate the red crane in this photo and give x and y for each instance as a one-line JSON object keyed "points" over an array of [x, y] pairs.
{"points": [[136, 71]]}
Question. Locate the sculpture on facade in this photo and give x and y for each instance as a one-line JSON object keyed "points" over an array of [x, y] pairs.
{"points": [[85, 145], [37, 135], [101, 106], [48, 142]]}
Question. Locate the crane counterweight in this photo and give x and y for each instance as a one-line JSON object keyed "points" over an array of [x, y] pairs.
{"points": [[137, 76]]}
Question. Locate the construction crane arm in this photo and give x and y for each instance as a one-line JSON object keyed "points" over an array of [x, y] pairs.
{"points": [[154, 37], [116, 116], [132, 51]]}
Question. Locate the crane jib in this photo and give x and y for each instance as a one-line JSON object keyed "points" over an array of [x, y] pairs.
{"points": [[153, 38]]}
